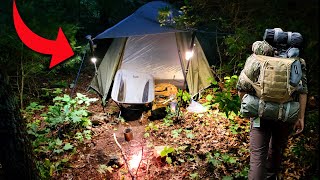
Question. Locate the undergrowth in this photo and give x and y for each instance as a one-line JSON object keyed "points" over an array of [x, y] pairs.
{"points": [[56, 131]]}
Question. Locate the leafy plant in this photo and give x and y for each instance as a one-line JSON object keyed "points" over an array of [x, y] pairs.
{"points": [[184, 21], [69, 111], [243, 174], [213, 160], [167, 121], [59, 130], [150, 127], [234, 127], [165, 153], [103, 168], [237, 49], [227, 178], [175, 133], [170, 116], [50, 93], [33, 106], [194, 176], [225, 96], [218, 158], [47, 168], [189, 134], [183, 98]]}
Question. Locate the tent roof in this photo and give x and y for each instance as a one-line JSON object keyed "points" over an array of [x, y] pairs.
{"points": [[141, 22]]}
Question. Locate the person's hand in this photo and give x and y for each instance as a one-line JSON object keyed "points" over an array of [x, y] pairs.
{"points": [[298, 127]]}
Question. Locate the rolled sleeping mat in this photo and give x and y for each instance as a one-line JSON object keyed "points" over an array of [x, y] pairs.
{"points": [[270, 110]]}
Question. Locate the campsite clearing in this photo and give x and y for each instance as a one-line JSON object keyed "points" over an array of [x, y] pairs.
{"points": [[199, 146]]}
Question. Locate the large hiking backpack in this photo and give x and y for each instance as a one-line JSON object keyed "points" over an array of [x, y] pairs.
{"points": [[278, 78]]}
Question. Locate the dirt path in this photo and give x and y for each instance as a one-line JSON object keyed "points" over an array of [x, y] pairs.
{"points": [[103, 150]]}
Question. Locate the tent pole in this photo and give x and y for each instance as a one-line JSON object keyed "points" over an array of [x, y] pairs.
{"points": [[78, 74], [187, 69], [183, 70]]}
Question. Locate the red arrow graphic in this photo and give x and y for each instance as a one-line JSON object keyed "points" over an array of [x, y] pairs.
{"points": [[60, 48]]}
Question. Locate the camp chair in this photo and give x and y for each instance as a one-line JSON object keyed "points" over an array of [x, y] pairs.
{"points": [[132, 88]]}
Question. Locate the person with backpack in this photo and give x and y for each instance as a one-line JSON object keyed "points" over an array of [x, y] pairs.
{"points": [[275, 113]]}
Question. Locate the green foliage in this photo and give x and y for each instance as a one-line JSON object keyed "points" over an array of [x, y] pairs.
{"points": [[146, 135], [243, 174], [227, 178], [300, 149], [170, 116], [213, 160], [183, 98], [312, 121], [68, 110], [234, 127], [176, 133], [61, 128], [103, 168], [50, 93], [194, 176], [238, 48], [189, 134], [163, 16], [221, 160], [28, 68], [218, 158], [150, 127], [225, 97], [187, 19], [167, 150], [47, 168], [228, 101], [167, 121], [33, 106], [302, 153]]}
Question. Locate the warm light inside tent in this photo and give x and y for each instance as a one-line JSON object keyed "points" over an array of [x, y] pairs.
{"points": [[189, 55]]}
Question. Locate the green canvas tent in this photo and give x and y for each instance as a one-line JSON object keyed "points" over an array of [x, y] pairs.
{"points": [[140, 44]]}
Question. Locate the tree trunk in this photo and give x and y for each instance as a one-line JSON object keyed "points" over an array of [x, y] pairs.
{"points": [[15, 148]]}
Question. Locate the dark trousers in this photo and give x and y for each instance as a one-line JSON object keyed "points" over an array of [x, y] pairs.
{"points": [[266, 145]]}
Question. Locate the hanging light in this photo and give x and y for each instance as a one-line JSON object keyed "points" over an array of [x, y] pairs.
{"points": [[189, 55], [94, 61]]}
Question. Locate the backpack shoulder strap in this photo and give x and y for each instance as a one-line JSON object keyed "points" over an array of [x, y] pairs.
{"points": [[246, 77]]}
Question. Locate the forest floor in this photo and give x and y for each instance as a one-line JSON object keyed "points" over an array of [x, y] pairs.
{"points": [[192, 138], [195, 146]]}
